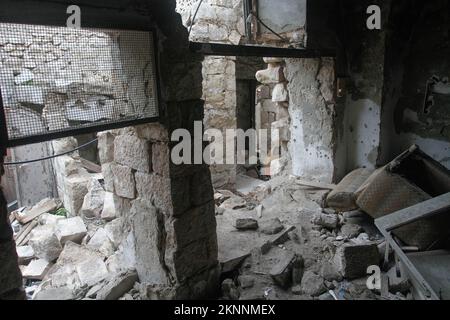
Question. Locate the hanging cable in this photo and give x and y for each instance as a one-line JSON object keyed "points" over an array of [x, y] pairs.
{"points": [[193, 18], [50, 157], [268, 28]]}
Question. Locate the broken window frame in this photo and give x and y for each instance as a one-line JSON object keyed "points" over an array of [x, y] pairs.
{"points": [[6, 142]]}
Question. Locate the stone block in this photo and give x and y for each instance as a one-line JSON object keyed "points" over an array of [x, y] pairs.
{"points": [[246, 224], [37, 269], [50, 219], [105, 147], [109, 208], [272, 226], [329, 221], [72, 229], [133, 152], [92, 271], [124, 184], [25, 254], [45, 243], [101, 242], [108, 176], [147, 230], [94, 200], [30, 95], [157, 189], [75, 190], [281, 272], [118, 286], [55, 294], [352, 260], [114, 232], [271, 75], [280, 93], [161, 159], [312, 284]]}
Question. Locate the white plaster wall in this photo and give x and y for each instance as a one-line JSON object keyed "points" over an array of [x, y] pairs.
{"points": [[362, 128]]}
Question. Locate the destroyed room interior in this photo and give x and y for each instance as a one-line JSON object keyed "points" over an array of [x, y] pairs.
{"points": [[225, 150]]}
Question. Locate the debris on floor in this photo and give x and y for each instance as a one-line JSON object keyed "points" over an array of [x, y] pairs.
{"points": [[310, 240], [81, 257]]}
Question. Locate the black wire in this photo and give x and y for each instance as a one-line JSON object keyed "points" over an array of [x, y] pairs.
{"points": [[193, 18], [50, 157], [268, 28]]}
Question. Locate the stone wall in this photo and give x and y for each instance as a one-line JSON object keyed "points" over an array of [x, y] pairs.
{"points": [[168, 209]]}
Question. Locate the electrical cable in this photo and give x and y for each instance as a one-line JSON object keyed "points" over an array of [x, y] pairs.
{"points": [[50, 157], [193, 18], [268, 28]]}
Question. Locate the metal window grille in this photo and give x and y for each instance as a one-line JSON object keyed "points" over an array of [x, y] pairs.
{"points": [[57, 81]]}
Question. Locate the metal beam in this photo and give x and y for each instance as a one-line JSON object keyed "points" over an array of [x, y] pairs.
{"points": [[218, 49]]}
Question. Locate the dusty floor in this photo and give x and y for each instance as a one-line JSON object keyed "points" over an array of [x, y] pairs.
{"points": [[253, 260]]}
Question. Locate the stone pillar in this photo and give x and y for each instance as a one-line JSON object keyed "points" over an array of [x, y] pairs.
{"points": [[10, 275], [311, 85], [167, 209], [272, 113]]}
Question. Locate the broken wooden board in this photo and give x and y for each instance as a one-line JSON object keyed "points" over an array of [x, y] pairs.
{"points": [[46, 205]]}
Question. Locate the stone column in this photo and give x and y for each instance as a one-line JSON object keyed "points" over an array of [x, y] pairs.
{"points": [[10, 275]]}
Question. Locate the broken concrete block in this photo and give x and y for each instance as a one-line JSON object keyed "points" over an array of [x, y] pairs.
{"points": [[117, 287], [75, 190], [94, 199], [60, 294], [25, 254], [133, 152], [352, 260], [343, 197], [92, 271], [105, 147], [101, 242], [281, 272], [351, 230], [124, 183], [272, 226], [72, 229], [329, 272], [45, 243], [37, 269], [113, 230], [280, 93], [270, 75], [246, 224], [246, 281], [109, 208], [312, 284], [48, 218], [329, 221]]}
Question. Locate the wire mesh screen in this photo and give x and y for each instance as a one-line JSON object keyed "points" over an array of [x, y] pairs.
{"points": [[56, 79]]}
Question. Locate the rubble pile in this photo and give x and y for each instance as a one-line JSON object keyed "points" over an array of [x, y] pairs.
{"points": [[307, 240], [79, 257]]}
